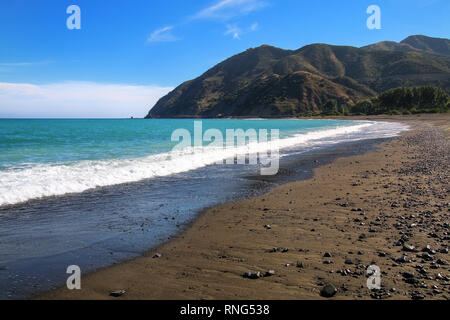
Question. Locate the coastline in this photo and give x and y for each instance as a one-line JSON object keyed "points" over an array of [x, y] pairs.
{"points": [[208, 259]]}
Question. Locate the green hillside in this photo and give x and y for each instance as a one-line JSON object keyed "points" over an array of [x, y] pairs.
{"points": [[271, 82]]}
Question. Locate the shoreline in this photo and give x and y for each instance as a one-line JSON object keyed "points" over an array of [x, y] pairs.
{"points": [[206, 261], [146, 221]]}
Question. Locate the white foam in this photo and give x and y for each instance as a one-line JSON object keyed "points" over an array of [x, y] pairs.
{"points": [[43, 180]]}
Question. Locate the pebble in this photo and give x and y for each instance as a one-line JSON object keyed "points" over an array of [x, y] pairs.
{"points": [[117, 293], [269, 273], [328, 291], [426, 256], [409, 248], [428, 250], [380, 294], [252, 275], [417, 295], [403, 259]]}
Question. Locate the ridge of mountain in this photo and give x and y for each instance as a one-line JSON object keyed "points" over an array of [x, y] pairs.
{"points": [[269, 82]]}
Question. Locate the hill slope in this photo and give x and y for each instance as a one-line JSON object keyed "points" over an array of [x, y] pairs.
{"points": [[418, 43], [268, 81]]}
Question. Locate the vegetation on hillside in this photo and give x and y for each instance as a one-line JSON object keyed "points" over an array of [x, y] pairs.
{"points": [[412, 100], [427, 99], [316, 79]]}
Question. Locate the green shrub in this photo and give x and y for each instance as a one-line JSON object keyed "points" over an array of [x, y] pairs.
{"points": [[402, 100]]}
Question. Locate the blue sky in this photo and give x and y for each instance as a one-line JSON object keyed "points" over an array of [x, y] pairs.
{"points": [[140, 49]]}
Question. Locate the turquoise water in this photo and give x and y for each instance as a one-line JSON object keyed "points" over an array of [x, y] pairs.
{"points": [[41, 158], [46, 141]]}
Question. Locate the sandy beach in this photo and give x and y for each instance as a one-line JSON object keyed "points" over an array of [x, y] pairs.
{"points": [[380, 208]]}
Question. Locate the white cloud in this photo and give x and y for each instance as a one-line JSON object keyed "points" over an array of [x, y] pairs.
{"points": [[233, 30], [13, 66], [22, 64], [254, 26], [162, 35], [222, 10], [227, 9], [78, 100], [16, 64]]}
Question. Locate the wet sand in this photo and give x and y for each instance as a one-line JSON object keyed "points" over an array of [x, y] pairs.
{"points": [[380, 208]]}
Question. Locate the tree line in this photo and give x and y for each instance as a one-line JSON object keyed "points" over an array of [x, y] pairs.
{"points": [[410, 100]]}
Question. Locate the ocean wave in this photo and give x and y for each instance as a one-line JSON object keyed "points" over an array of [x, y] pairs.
{"points": [[55, 179]]}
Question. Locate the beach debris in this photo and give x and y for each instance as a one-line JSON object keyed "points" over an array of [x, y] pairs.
{"points": [[268, 226], [157, 255], [328, 291], [117, 293], [327, 255]]}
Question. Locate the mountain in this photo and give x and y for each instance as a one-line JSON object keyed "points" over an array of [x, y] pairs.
{"points": [[269, 82], [429, 45], [418, 43]]}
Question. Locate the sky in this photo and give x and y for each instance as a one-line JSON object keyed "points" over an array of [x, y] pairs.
{"points": [[128, 54]]}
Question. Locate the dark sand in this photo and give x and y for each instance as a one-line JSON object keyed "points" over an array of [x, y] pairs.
{"points": [[363, 209]]}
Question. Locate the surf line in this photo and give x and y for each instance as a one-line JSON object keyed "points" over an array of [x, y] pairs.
{"points": [[239, 146]]}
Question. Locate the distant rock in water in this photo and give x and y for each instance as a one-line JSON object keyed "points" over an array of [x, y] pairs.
{"points": [[271, 82]]}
